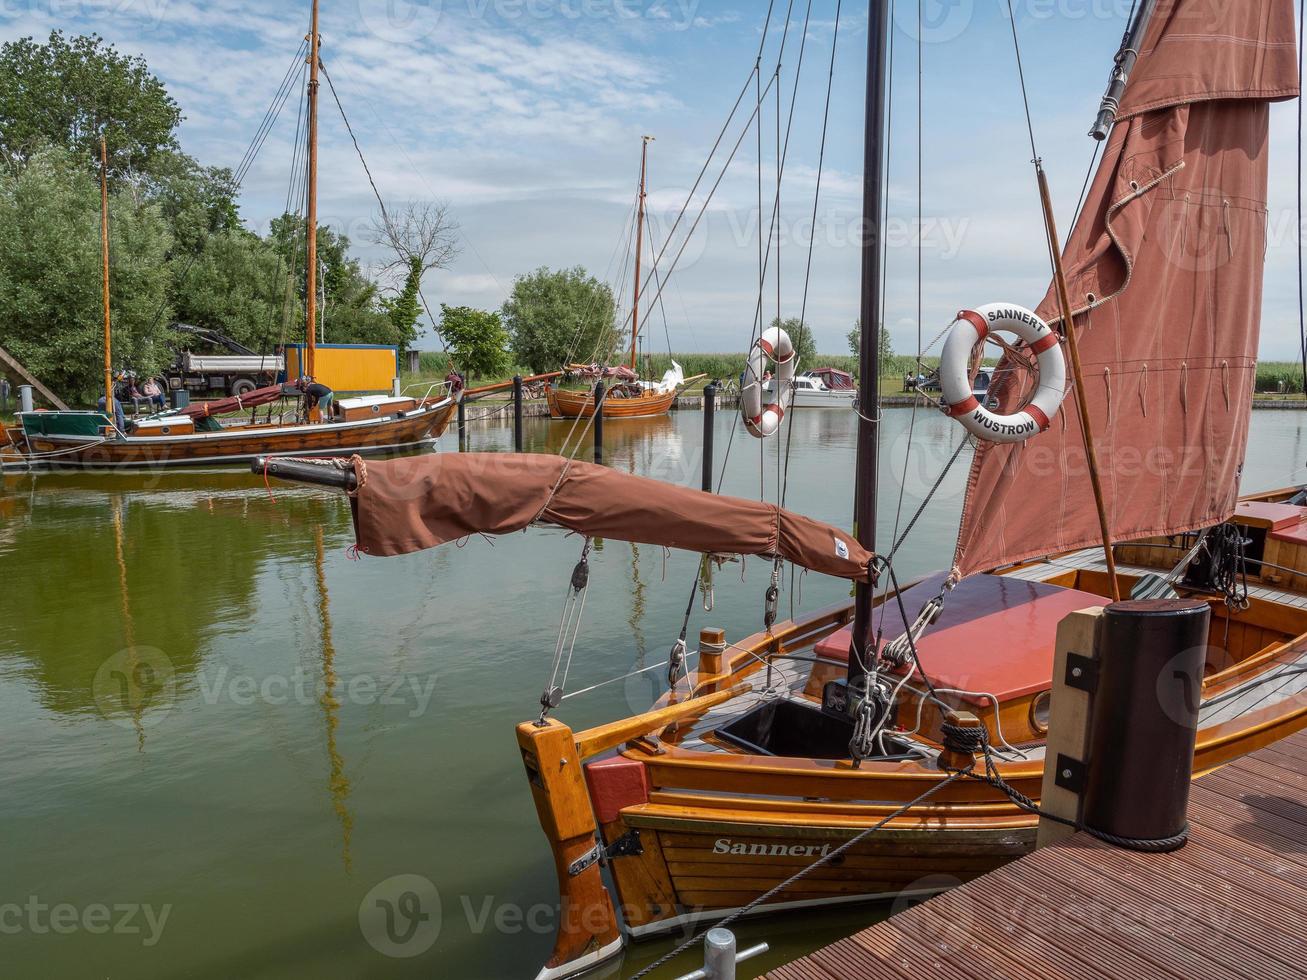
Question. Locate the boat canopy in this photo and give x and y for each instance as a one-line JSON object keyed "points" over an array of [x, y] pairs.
{"points": [[410, 504], [1164, 270]]}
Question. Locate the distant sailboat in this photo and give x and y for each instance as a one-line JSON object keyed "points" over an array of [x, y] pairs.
{"points": [[93, 439], [627, 397]]}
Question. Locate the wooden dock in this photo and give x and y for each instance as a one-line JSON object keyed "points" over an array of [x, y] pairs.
{"points": [[1229, 904]]}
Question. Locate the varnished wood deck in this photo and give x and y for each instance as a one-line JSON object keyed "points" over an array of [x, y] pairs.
{"points": [[1229, 904]]}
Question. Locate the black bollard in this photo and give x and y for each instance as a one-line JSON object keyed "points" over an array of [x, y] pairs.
{"points": [[599, 421], [709, 412], [462, 425], [1144, 720], [517, 413]]}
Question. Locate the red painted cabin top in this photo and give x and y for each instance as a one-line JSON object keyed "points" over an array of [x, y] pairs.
{"points": [[996, 635]]}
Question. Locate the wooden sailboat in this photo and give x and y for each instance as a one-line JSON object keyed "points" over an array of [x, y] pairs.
{"points": [[92, 439], [745, 772], [628, 400]]}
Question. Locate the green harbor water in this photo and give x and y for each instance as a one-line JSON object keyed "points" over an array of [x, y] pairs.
{"points": [[220, 737]]}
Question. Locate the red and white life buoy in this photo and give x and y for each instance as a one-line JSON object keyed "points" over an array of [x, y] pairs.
{"points": [[972, 327], [774, 346]]}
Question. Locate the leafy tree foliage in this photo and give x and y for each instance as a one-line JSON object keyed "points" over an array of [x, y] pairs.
{"points": [[477, 339], [50, 274], [801, 337], [557, 317], [68, 91], [349, 303], [240, 285], [403, 308], [886, 343]]}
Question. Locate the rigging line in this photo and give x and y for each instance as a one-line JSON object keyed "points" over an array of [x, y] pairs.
{"points": [[296, 148], [704, 209], [804, 872], [1021, 74], [191, 260], [816, 203], [912, 420], [269, 117]]}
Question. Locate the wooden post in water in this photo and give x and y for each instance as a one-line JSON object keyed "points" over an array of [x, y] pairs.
{"points": [[600, 391], [709, 415], [517, 413], [462, 424], [104, 247]]}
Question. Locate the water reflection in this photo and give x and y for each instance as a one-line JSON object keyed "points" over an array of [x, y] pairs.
{"points": [[337, 781]]}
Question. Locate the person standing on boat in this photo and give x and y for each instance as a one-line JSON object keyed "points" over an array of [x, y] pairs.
{"points": [[119, 418], [4, 394], [316, 395]]}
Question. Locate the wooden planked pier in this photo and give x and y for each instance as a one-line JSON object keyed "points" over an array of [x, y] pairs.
{"points": [[1229, 904]]}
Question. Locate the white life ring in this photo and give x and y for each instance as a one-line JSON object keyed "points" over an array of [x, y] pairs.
{"points": [[773, 346], [971, 327]]}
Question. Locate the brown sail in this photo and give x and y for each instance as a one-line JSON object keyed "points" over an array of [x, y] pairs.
{"points": [[406, 505], [1164, 269]]}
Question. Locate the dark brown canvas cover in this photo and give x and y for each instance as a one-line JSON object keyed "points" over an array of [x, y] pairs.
{"points": [[409, 504], [1164, 270]]}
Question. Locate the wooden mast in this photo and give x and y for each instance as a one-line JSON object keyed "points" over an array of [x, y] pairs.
{"points": [[311, 232], [864, 503], [639, 248], [104, 249]]}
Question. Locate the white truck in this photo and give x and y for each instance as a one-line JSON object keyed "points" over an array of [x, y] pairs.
{"points": [[207, 361]]}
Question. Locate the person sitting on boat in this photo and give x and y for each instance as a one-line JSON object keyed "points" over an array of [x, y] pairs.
{"points": [[154, 392]]}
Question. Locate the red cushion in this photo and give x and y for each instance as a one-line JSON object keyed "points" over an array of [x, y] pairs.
{"points": [[996, 634], [615, 784]]}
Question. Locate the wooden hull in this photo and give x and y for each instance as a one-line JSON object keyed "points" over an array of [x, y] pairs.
{"points": [[698, 829], [581, 404], [234, 446]]}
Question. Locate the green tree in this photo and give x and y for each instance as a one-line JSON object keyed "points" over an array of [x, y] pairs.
{"points": [[477, 339], [557, 317], [805, 345], [50, 275], [239, 285], [348, 301], [404, 307], [886, 343], [68, 91]]}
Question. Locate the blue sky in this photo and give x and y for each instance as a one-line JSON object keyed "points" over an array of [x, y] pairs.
{"points": [[526, 117]]}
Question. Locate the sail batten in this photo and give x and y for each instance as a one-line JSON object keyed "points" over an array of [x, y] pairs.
{"points": [[1164, 268], [411, 504]]}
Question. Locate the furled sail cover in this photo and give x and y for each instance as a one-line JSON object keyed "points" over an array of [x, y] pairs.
{"points": [[409, 504], [1164, 269]]}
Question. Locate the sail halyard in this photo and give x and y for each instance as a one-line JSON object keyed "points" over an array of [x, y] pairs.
{"points": [[864, 504], [1164, 269]]}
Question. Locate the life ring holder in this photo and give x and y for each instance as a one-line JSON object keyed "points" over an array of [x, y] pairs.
{"points": [[774, 346], [971, 328]]}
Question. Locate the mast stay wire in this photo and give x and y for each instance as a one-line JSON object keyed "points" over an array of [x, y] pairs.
{"points": [[247, 159]]}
